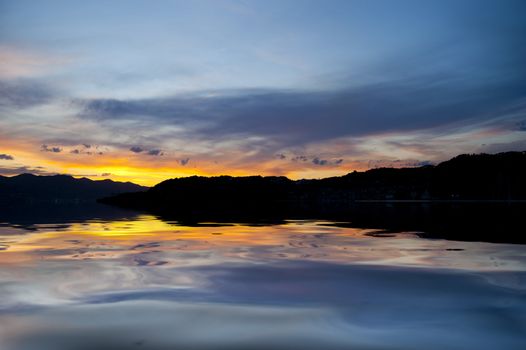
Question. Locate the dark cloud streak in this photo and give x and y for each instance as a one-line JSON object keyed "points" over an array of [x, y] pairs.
{"points": [[136, 149], [299, 117], [4, 156], [155, 152], [25, 169], [46, 148]]}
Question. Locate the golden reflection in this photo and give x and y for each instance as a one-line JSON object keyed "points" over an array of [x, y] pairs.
{"points": [[148, 241]]}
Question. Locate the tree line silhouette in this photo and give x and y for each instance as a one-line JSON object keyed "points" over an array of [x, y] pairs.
{"points": [[465, 177]]}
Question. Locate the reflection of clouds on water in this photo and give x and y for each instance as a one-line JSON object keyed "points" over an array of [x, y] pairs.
{"points": [[155, 325], [148, 284], [298, 305]]}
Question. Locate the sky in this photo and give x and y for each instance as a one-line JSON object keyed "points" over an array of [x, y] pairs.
{"points": [[144, 90]]}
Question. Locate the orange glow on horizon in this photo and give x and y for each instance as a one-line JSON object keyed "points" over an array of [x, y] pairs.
{"points": [[119, 165]]}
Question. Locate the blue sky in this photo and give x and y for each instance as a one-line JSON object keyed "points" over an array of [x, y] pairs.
{"points": [[258, 86]]}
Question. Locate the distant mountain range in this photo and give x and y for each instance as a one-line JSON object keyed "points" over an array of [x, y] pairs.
{"points": [[466, 177], [450, 199], [28, 188]]}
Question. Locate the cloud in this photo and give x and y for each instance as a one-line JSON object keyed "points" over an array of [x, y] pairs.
{"points": [[424, 163], [300, 159], [136, 149], [294, 117], [497, 147], [443, 84], [155, 152], [105, 174], [439, 88], [78, 151], [184, 161], [316, 160], [46, 148], [16, 63], [398, 163], [24, 93], [319, 161], [4, 156], [322, 162], [430, 91], [24, 169]]}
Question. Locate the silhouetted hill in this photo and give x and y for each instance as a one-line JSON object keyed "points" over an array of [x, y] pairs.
{"points": [[28, 188], [465, 177]]}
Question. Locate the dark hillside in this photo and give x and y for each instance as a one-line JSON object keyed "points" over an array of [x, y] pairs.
{"points": [[30, 188]]}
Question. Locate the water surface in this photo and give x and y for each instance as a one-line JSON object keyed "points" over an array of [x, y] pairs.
{"points": [[138, 282]]}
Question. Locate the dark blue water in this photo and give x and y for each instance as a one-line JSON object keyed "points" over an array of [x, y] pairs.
{"points": [[143, 283]]}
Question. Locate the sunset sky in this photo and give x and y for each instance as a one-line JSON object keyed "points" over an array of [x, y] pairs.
{"points": [[144, 90]]}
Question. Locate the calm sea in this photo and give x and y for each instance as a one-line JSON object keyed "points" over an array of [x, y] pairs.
{"points": [[134, 281]]}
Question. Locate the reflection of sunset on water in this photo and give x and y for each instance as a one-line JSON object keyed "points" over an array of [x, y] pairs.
{"points": [[149, 241], [144, 278]]}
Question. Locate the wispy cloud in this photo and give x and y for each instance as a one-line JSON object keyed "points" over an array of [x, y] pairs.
{"points": [[25, 169], [23, 93], [17, 63]]}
